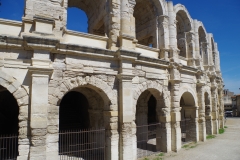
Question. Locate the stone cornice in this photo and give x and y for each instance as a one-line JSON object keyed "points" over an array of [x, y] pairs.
{"points": [[40, 71], [40, 40], [77, 49], [152, 61], [125, 54], [7, 41]]}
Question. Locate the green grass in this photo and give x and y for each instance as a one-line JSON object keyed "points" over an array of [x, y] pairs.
{"points": [[225, 127], [158, 158], [210, 136], [161, 154], [221, 130], [185, 146], [146, 159]]}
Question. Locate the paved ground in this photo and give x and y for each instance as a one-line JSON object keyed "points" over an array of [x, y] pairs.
{"points": [[224, 146]]}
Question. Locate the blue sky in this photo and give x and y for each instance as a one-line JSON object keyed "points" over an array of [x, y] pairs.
{"points": [[220, 17]]}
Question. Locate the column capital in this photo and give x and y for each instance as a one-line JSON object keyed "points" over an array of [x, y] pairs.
{"points": [[36, 71]]}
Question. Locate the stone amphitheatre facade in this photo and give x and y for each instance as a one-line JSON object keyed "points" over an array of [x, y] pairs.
{"points": [[137, 54]]}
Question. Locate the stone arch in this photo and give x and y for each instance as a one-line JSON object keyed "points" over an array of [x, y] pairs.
{"points": [[102, 88], [96, 12], [22, 97], [184, 27], [186, 88], [142, 92], [182, 11], [206, 90], [146, 14], [156, 89], [188, 115]]}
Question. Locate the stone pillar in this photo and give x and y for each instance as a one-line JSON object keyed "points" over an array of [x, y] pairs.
{"points": [[44, 144], [172, 33], [201, 119], [163, 36], [164, 143], [51, 10], [221, 107], [126, 116], [201, 115], [190, 37], [39, 111], [172, 26], [112, 137], [127, 32], [198, 59], [114, 24], [175, 108], [214, 110], [209, 128]]}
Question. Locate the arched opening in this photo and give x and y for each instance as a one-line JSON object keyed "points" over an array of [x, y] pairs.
{"points": [[9, 112], [16, 11], [183, 27], [148, 126], [208, 114], [203, 45], [73, 113], [188, 117], [81, 123], [145, 13], [79, 22], [91, 11]]}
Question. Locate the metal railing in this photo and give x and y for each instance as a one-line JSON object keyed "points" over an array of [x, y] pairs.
{"points": [[8, 147], [86, 144], [147, 136], [184, 129]]}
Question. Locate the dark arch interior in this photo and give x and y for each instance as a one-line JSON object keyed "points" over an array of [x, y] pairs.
{"points": [[9, 112], [152, 116], [74, 112]]}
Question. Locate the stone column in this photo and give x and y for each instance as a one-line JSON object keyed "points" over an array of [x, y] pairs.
{"points": [[201, 119], [163, 36], [39, 111], [172, 26], [209, 128], [190, 37], [172, 33], [126, 124], [175, 108], [127, 32], [114, 24], [214, 110], [164, 142], [112, 137], [198, 60], [44, 144], [221, 107]]}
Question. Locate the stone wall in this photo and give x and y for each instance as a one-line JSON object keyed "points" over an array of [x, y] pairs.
{"points": [[40, 65]]}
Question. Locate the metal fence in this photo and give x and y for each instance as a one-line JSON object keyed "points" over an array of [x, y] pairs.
{"points": [[8, 147], [147, 136], [86, 144], [184, 129]]}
